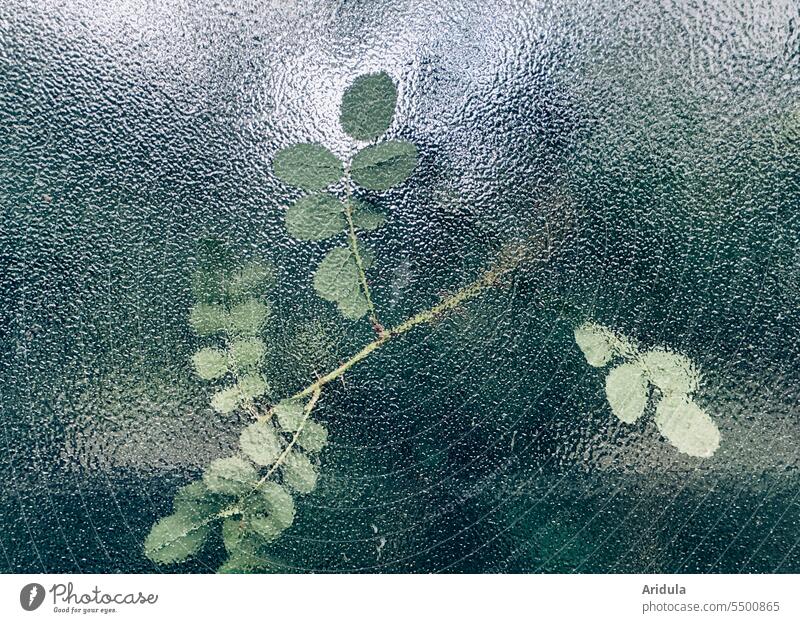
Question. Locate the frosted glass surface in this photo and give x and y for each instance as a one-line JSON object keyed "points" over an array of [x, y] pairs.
{"points": [[655, 146]]}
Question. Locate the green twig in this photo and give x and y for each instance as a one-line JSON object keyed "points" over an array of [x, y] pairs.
{"points": [[353, 238], [488, 279]]}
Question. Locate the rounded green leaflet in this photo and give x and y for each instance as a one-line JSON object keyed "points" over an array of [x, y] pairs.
{"points": [[337, 275], [247, 352], [368, 106], [197, 503], [261, 443], [354, 306], [671, 372], [208, 319], [384, 165], [306, 165], [626, 390], [365, 216], [252, 280], [313, 437], [226, 400], [270, 510], [686, 426], [596, 342], [316, 217], [233, 532], [248, 317], [174, 539], [210, 363], [299, 473], [252, 385], [230, 476], [290, 414]]}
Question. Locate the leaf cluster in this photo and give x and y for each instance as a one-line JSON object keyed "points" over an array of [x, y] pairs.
{"points": [[628, 387], [248, 496], [366, 111], [231, 309]]}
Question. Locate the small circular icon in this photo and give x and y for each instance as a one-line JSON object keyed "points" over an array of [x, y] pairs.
{"points": [[31, 596]]}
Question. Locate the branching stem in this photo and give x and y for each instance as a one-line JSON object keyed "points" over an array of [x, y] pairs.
{"points": [[486, 280]]}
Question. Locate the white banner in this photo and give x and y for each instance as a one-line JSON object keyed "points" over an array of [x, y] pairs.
{"points": [[377, 599]]}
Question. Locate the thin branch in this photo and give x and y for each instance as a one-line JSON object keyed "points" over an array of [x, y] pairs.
{"points": [[309, 407], [488, 279], [353, 238]]}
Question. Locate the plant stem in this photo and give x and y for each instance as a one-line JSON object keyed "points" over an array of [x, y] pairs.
{"points": [[486, 280], [353, 238], [309, 407]]}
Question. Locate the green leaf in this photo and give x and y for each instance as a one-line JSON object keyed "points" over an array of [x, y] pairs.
{"points": [[195, 502], [315, 217], [233, 531], [299, 473], [250, 281], [366, 217], [174, 539], [626, 390], [252, 385], [596, 342], [313, 437], [230, 476], [247, 352], [337, 276], [243, 544], [248, 317], [384, 165], [308, 166], [261, 443], [270, 511], [671, 372], [226, 400], [354, 306], [686, 426], [210, 363], [208, 319], [290, 414], [368, 106]]}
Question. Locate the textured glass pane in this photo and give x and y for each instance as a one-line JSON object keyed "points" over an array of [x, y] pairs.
{"points": [[619, 180]]}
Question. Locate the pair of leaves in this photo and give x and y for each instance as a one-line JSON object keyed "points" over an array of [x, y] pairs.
{"points": [[627, 385], [321, 215], [291, 416], [247, 387], [259, 513], [378, 167], [338, 280], [243, 354], [312, 436], [682, 422], [242, 359], [244, 318], [220, 279]]}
